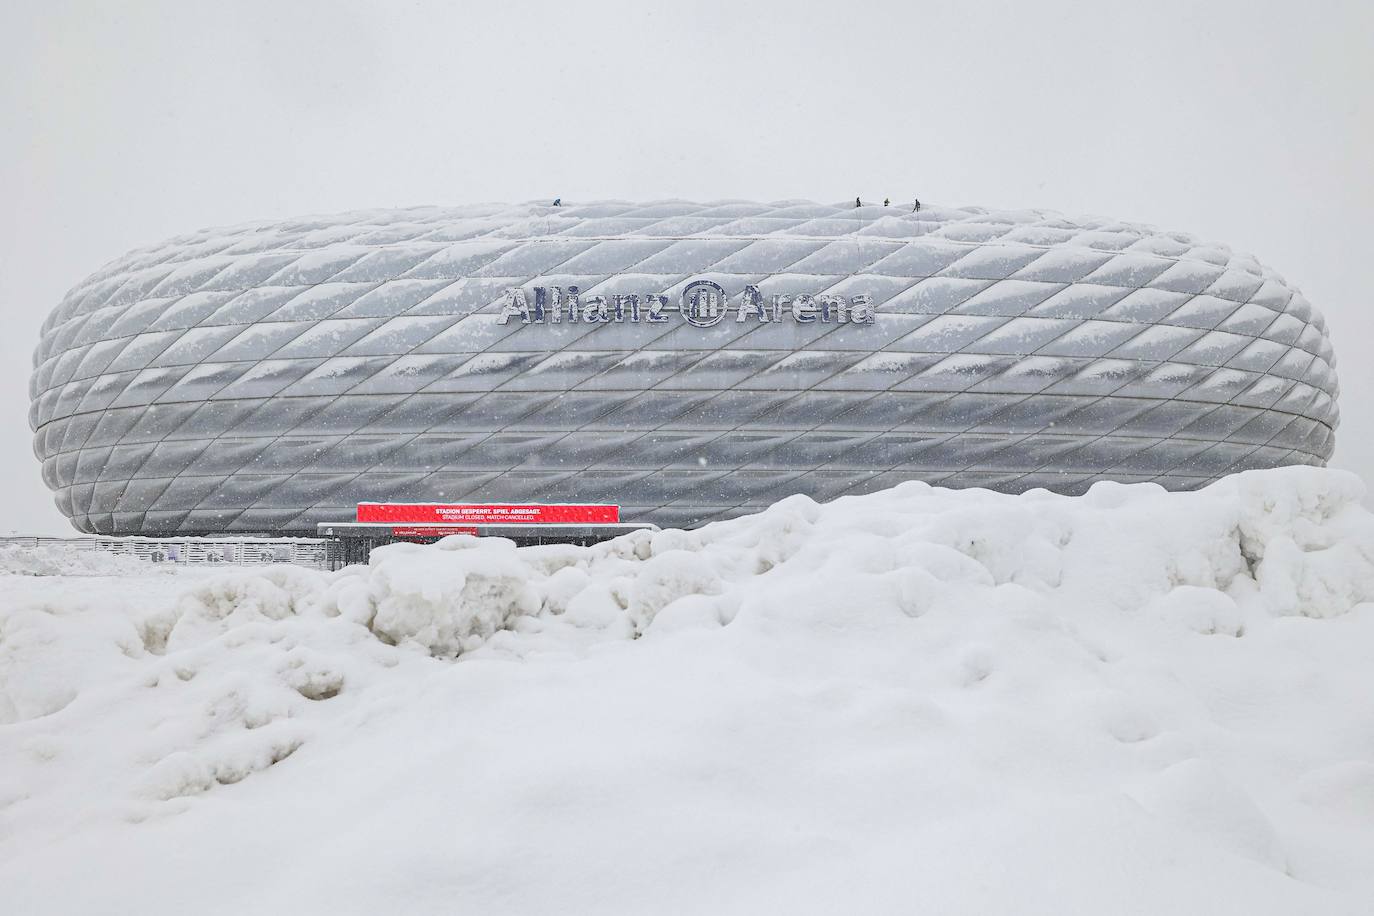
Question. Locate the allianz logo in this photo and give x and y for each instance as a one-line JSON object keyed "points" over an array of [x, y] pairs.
{"points": [[703, 304]]}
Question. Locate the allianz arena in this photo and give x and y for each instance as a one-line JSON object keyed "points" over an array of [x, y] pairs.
{"points": [[687, 361]]}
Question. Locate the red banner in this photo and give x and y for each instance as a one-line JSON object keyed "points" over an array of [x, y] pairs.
{"points": [[438, 513], [422, 531]]}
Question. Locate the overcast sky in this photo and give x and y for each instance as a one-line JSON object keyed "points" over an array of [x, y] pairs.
{"points": [[1250, 123]]}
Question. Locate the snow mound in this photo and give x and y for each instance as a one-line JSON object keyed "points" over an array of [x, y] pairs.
{"points": [[945, 701], [1305, 549], [56, 560]]}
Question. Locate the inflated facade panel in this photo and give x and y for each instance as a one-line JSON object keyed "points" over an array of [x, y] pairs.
{"points": [[687, 361]]}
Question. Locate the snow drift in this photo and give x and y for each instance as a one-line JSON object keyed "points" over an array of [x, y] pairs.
{"points": [[60, 560], [918, 700]]}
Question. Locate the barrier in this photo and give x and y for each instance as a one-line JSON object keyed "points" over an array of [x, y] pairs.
{"points": [[315, 553]]}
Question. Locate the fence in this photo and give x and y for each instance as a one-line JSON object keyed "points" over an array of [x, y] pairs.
{"points": [[313, 552]]}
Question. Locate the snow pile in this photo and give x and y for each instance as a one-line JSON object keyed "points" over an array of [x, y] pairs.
{"points": [[919, 700], [1242, 548], [58, 560]]}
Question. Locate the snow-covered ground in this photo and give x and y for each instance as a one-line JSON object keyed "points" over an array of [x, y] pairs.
{"points": [[920, 701], [57, 560]]}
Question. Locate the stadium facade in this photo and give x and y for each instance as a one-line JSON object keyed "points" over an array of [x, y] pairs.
{"points": [[687, 361]]}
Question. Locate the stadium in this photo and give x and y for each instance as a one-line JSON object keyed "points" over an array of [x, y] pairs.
{"points": [[687, 362]]}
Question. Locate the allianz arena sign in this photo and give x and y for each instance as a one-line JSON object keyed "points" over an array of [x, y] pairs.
{"points": [[702, 304]]}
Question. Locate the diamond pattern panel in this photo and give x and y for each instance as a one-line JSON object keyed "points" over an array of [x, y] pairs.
{"points": [[268, 376]]}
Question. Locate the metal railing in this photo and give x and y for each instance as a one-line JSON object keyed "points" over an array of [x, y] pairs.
{"points": [[317, 553]]}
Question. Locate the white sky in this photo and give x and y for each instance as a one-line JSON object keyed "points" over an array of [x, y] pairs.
{"points": [[1250, 123]]}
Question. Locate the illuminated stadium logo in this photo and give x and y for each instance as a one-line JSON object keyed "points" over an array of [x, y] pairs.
{"points": [[703, 304]]}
